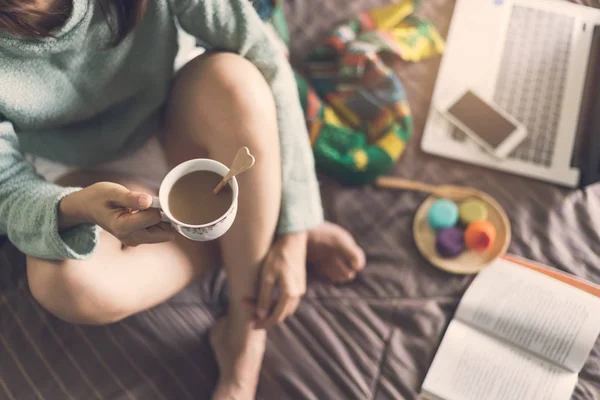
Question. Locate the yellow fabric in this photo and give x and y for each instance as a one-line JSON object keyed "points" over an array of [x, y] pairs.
{"points": [[331, 117], [388, 17], [422, 47], [392, 145], [361, 159]]}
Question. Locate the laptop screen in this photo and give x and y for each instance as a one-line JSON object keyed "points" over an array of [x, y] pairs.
{"points": [[588, 131]]}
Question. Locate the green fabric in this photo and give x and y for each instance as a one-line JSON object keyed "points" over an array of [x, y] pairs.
{"points": [[72, 99], [360, 123]]}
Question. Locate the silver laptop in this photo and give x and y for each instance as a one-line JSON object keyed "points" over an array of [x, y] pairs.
{"points": [[530, 57]]}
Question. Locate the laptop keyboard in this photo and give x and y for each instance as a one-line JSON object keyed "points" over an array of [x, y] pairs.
{"points": [[532, 79]]}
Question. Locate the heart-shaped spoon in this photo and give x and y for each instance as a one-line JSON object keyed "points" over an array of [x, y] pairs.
{"points": [[243, 161]]}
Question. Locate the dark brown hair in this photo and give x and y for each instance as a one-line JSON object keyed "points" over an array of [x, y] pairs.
{"points": [[24, 17]]}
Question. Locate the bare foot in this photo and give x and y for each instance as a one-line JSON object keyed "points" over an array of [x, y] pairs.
{"points": [[334, 253], [239, 361]]}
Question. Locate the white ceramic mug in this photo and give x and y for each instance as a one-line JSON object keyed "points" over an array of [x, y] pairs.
{"points": [[205, 232]]}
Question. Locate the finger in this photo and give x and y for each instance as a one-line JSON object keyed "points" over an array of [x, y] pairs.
{"points": [[292, 306], [277, 316], [249, 302], [161, 227], [265, 295], [248, 305], [160, 233], [131, 222], [123, 197]]}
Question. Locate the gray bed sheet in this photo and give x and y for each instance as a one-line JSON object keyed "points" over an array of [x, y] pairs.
{"points": [[372, 339]]}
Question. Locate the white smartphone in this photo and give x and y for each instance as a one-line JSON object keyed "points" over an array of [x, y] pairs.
{"points": [[486, 124]]}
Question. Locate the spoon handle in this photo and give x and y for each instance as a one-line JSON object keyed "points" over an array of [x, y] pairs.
{"points": [[447, 191], [399, 183], [243, 161], [226, 179]]}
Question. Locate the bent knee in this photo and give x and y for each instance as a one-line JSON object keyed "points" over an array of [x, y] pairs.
{"points": [[68, 291], [221, 87], [230, 74]]}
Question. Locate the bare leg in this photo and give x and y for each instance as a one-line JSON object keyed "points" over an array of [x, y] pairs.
{"points": [[219, 103], [115, 283]]}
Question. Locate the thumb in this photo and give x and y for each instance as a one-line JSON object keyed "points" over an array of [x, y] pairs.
{"points": [[133, 200]]}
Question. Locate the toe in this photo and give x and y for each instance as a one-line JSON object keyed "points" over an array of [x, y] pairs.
{"points": [[357, 259], [344, 269], [332, 274], [351, 252], [338, 271], [334, 271]]}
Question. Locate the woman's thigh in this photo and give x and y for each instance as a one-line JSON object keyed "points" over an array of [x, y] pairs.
{"points": [[116, 282]]}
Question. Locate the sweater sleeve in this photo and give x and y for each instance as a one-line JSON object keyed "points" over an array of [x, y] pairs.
{"points": [[29, 208], [234, 25]]}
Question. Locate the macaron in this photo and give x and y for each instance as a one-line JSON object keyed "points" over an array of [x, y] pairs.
{"points": [[450, 242], [472, 210], [443, 213], [480, 236]]}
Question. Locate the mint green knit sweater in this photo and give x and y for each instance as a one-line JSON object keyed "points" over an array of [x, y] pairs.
{"points": [[73, 99]]}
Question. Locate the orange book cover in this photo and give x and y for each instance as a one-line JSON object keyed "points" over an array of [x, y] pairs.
{"points": [[556, 274]]}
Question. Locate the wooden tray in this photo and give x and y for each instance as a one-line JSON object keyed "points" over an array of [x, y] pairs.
{"points": [[468, 262]]}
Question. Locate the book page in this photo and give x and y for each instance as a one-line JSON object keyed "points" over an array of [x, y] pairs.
{"points": [[557, 274], [472, 365], [534, 311]]}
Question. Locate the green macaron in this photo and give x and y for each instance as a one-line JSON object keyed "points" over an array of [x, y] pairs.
{"points": [[472, 210]]}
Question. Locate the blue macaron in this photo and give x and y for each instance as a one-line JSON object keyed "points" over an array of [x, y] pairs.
{"points": [[443, 213]]}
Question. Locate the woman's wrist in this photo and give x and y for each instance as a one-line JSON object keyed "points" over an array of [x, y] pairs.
{"points": [[71, 211], [294, 239]]}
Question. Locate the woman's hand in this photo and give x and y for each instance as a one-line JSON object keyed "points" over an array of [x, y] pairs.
{"points": [[119, 211], [285, 269]]}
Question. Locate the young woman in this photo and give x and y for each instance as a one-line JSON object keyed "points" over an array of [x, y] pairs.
{"points": [[85, 83]]}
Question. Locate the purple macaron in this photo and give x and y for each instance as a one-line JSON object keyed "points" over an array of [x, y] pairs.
{"points": [[450, 242]]}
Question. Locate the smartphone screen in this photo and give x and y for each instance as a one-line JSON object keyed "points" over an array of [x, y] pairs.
{"points": [[482, 119]]}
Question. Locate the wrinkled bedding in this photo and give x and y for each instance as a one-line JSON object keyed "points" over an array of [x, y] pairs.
{"points": [[372, 339]]}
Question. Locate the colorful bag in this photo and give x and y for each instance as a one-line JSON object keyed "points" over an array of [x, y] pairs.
{"points": [[362, 127]]}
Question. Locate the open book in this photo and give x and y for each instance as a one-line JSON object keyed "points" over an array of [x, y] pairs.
{"points": [[521, 331]]}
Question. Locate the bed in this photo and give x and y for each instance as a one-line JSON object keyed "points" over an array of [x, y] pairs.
{"points": [[372, 339]]}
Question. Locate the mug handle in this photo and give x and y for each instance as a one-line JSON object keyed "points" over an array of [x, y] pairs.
{"points": [[156, 204]]}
